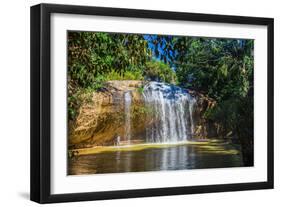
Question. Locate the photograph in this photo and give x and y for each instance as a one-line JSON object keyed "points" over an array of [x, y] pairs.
{"points": [[158, 102], [133, 103]]}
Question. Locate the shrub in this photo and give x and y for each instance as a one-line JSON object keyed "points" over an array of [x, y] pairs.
{"points": [[159, 71], [127, 75]]}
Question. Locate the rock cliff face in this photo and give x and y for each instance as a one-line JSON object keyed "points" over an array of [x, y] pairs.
{"points": [[102, 116], [204, 128]]}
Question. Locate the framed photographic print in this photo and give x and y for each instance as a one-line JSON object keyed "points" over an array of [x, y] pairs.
{"points": [[133, 103]]}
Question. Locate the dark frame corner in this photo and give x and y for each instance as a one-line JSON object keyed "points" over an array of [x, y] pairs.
{"points": [[40, 102]]}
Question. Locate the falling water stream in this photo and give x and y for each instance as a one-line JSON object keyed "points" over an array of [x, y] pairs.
{"points": [[128, 102], [171, 118], [173, 111]]}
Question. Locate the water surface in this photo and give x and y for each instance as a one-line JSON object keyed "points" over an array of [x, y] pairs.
{"points": [[157, 158]]}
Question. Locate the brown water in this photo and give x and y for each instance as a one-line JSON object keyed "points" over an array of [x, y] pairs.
{"points": [[157, 158]]}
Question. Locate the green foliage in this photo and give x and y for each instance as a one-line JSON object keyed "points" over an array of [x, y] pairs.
{"points": [[159, 71], [127, 75], [95, 53], [141, 89], [137, 111], [133, 75], [98, 83], [74, 100], [223, 70], [220, 68]]}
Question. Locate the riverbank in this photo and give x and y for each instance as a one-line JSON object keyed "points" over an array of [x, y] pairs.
{"points": [[214, 146]]}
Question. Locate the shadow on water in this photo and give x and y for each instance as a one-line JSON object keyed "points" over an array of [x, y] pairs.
{"points": [[179, 157]]}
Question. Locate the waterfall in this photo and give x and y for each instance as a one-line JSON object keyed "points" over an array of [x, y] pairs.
{"points": [[127, 106], [191, 104], [171, 118]]}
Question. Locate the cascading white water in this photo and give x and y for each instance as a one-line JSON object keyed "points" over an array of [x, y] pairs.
{"points": [[172, 111], [191, 104], [127, 106]]}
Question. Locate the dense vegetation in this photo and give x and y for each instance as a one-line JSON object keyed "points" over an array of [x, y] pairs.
{"points": [[221, 69]]}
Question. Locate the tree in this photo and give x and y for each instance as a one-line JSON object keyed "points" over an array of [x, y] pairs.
{"points": [[93, 53], [159, 71], [223, 70]]}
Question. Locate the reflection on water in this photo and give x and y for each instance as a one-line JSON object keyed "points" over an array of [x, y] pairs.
{"points": [[178, 157]]}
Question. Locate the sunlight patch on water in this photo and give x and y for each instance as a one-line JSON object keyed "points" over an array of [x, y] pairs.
{"points": [[210, 146]]}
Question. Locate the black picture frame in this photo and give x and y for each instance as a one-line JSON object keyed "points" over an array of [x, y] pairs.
{"points": [[41, 96]]}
